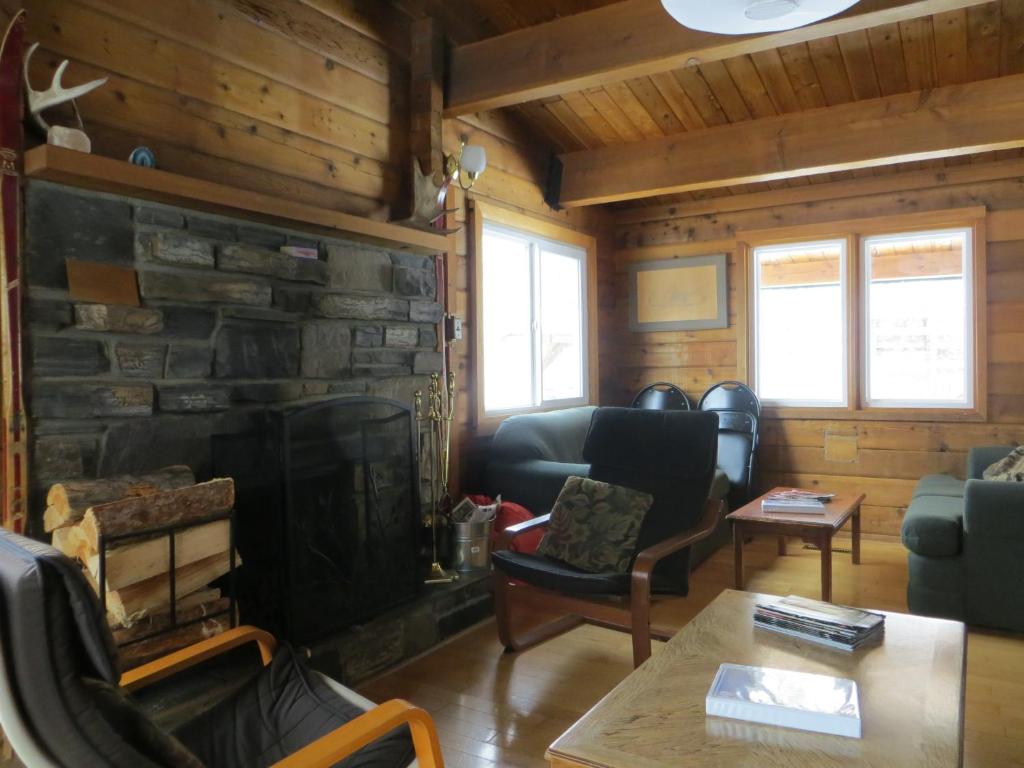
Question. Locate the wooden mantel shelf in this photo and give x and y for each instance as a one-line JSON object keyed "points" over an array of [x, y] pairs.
{"points": [[104, 174]]}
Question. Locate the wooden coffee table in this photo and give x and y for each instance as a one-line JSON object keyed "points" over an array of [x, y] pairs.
{"points": [[749, 520], [911, 689]]}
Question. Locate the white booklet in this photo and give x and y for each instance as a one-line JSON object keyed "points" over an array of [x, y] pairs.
{"points": [[788, 699]]}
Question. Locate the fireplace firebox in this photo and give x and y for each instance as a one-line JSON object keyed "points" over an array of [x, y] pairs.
{"points": [[328, 510]]}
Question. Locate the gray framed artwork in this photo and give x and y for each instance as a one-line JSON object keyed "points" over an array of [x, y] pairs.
{"points": [[678, 294]]}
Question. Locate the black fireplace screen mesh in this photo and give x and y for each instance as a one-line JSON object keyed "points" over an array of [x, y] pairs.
{"points": [[328, 512]]}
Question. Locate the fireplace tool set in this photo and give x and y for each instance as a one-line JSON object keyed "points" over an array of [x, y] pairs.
{"points": [[440, 408]]}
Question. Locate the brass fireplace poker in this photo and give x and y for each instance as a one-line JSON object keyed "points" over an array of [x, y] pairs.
{"points": [[438, 416]]}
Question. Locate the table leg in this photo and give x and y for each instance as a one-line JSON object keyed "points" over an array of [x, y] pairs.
{"points": [[782, 545], [855, 549], [825, 543], [737, 541]]}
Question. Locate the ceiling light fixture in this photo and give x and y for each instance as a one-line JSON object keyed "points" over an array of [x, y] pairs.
{"points": [[741, 17]]}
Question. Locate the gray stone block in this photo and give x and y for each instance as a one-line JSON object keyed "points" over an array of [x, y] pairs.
{"points": [[315, 388], [266, 238], [294, 299], [262, 314], [84, 400], [61, 224], [334, 305], [211, 228], [412, 261], [359, 268], [58, 356], [64, 456], [189, 362], [256, 351], [380, 370], [428, 362], [392, 356], [141, 361], [192, 398], [403, 337], [415, 282], [326, 350], [268, 392], [115, 318], [303, 242], [400, 388], [159, 217], [262, 261], [49, 314], [350, 387], [209, 289], [369, 336], [180, 249], [428, 336], [188, 322], [425, 311]]}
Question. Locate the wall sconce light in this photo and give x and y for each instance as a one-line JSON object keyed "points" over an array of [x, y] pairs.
{"points": [[466, 167]]}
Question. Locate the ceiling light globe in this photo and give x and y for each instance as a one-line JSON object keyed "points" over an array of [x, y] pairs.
{"points": [[742, 17]]}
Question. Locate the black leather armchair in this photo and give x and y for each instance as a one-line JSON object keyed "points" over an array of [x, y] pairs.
{"points": [[669, 454]]}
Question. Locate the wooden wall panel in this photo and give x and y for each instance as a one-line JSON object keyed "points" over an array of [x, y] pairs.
{"points": [[883, 459]]}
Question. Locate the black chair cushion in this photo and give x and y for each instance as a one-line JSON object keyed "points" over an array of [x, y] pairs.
{"points": [[61, 661], [283, 709], [548, 573]]}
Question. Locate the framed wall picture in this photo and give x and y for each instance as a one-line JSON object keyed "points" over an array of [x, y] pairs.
{"points": [[678, 294]]}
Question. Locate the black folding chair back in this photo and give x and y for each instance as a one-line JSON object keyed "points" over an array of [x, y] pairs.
{"points": [[662, 396], [739, 415]]}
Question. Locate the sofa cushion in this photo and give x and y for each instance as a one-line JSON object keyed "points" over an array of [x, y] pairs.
{"points": [[939, 485], [933, 526], [594, 525]]}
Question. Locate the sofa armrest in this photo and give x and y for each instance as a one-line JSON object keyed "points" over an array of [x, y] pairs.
{"points": [[994, 509], [982, 457]]}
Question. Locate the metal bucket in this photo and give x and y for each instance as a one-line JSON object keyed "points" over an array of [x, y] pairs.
{"points": [[471, 546]]}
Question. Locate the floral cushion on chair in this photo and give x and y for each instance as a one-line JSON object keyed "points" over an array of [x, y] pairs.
{"points": [[1009, 469], [594, 525]]}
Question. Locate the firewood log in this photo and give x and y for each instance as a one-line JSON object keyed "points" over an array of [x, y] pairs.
{"points": [[70, 540], [67, 502], [136, 561], [188, 610], [159, 509], [154, 594], [146, 650]]}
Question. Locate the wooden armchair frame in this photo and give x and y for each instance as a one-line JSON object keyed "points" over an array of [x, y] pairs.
{"points": [[328, 749], [630, 614]]}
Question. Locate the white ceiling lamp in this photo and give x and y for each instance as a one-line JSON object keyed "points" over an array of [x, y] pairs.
{"points": [[741, 17]]}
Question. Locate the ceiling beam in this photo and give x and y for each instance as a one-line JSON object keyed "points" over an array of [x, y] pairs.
{"points": [[941, 122], [628, 39]]}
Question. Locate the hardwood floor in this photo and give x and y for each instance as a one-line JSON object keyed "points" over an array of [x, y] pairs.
{"points": [[493, 708]]}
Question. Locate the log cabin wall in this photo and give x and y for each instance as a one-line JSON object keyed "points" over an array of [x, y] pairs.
{"points": [[883, 459], [306, 100]]}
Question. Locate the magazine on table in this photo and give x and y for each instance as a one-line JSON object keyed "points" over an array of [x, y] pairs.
{"points": [[796, 501], [836, 626]]}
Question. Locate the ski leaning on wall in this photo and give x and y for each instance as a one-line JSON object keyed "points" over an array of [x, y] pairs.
{"points": [[14, 435]]}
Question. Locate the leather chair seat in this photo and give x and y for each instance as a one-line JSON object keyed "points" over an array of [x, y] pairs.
{"points": [[554, 575]]}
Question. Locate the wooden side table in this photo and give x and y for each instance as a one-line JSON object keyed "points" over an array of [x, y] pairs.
{"points": [[749, 520]]}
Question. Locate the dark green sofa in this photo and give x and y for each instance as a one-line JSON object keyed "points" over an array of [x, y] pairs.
{"points": [[532, 455], [966, 546]]}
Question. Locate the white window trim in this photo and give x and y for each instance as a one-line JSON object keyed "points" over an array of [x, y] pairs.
{"points": [[756, 307], [537, 243], [967, 265]]}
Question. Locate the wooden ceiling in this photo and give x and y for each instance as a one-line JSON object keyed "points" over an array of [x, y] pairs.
{"points": [[976, 43]]}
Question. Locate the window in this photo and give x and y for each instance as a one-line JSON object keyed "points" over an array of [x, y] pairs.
{"points": [[918, 319], [801, 323], [534, 340], [866, 321]]}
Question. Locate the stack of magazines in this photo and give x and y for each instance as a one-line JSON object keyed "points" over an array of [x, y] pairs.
{"points": [[796, 502], [836, 626]]}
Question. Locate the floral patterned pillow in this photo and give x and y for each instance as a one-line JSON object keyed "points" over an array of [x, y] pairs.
{"points": [[1010, 468], [594, 525]]}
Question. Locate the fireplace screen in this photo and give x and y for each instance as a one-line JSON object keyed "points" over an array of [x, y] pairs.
{"points": [[328, 511]]}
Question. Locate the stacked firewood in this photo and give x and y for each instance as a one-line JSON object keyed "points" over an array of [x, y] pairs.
{"points": [[136, 570]]}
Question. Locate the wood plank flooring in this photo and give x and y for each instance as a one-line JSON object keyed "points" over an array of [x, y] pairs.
{"points": [[497, 709]]}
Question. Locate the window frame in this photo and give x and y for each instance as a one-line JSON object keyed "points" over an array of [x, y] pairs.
{"points": [[855, 232], [554, 238]]}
